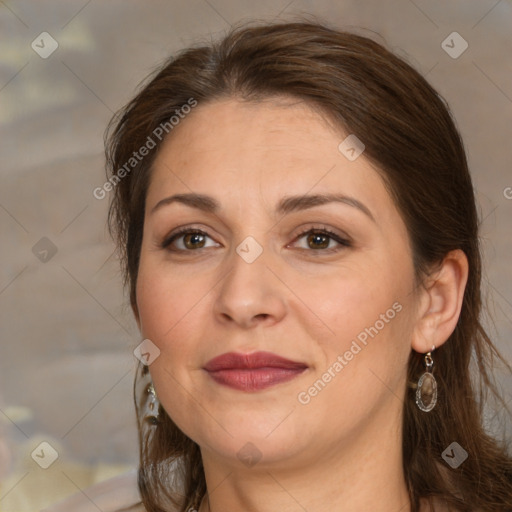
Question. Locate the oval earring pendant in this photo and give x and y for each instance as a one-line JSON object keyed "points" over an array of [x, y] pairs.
{"points": [[151, 415], [426, 393]]}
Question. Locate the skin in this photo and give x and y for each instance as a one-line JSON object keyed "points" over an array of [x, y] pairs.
{"points": [[342, 450]]}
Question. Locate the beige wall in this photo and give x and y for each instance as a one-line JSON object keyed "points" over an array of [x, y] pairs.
{"points": [[66, 363]]}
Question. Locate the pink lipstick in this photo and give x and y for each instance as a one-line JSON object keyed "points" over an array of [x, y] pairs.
{"points": [[252, 372]]}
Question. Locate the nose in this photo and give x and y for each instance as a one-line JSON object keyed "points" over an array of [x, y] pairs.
{"points": [[250, 294]]}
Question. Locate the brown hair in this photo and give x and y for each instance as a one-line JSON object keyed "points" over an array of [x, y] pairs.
{"points": [[411, 138]]}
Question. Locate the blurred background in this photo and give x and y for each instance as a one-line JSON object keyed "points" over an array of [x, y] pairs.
{"points": [[67, 334]]}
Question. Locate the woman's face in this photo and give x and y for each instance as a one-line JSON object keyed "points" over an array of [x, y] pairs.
{"points": [[257, 271]]}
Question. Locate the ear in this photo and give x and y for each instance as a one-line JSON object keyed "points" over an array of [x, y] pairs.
{"points": [[440, 303]]}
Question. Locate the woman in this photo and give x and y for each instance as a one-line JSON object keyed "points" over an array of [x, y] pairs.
{"points": [[298, 230]]}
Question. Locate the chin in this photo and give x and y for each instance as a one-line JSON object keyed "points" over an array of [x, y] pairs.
{"points": [[249, 439], [247, 451]]}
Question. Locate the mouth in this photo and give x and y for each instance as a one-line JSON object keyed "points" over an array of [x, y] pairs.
{"points": [[252, 372]]}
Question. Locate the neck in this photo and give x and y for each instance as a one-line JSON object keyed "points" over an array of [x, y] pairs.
{"points": [[364, 472]]}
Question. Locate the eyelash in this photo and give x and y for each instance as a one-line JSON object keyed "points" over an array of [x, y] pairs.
{"points": [[317, 231]]}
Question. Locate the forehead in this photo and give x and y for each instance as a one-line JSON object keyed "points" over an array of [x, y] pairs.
{"points": [[240, 150], [237, 129]]}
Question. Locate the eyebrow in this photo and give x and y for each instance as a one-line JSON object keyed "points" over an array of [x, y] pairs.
{"points": [[286, 205]]}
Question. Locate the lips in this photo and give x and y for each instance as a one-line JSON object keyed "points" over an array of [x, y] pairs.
{"points": [[252, 372]]}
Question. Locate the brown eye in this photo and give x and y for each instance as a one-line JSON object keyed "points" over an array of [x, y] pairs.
{"points": [[188, 240], [318, 241], [193, 240], [323, 239]]}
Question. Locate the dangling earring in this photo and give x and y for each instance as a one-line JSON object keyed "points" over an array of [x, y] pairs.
{"points": [[426, 392], [152, 405]]}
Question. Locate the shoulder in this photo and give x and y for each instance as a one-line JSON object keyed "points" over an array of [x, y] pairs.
{"points": [[112, 495]]}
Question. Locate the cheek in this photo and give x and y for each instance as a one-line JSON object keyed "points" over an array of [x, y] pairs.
{"points": [[350, 300], [367, 312], [153, 303], [164, 300], [166, 311], [364, 363], [172, 307]]}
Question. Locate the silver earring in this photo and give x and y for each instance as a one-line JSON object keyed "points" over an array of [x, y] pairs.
{"points": [[152, 405], [426, 392]]}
